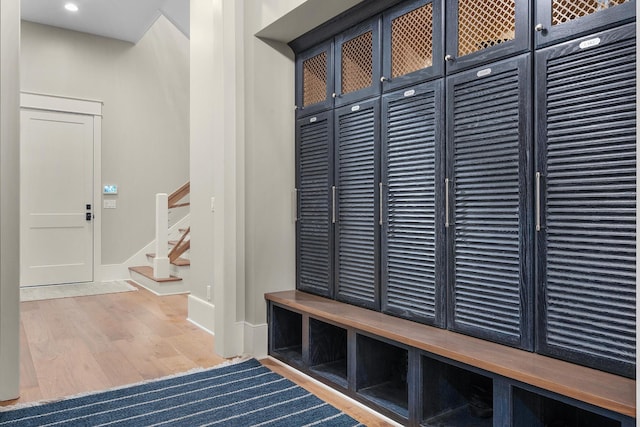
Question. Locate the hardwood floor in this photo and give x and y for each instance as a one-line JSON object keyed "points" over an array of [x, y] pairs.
{"points": [[83, 344]]}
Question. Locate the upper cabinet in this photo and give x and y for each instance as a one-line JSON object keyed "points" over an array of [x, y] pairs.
{"points": [[413, 43], [314, 76], [357, 67], [482, 31], [558, 20]]}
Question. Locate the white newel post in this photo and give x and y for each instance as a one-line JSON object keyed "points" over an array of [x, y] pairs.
{"points": [[161, 260]]}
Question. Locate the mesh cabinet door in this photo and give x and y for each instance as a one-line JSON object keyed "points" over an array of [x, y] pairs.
{"points": [[586, 111], [314, 228], [314, 80], [357, 178], [357, 65], [489, 217], [482, 31], [413, 43], [558, 20], [413, 284]]}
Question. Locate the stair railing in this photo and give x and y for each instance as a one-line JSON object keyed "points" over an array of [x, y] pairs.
{"points": [[165, 202]]}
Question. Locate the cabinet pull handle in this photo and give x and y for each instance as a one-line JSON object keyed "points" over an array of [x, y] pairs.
{"points": [[380, 193], [333, 204], [446, 202], [384, 79], [448, 58], [539, 28], [295, 205], [538, 226]]}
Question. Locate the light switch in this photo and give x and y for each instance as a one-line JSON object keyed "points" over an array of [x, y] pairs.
{"points": [[109, 204], [213, 204]]}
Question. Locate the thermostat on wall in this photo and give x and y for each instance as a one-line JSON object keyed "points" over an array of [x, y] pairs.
{"points": [[110, 189]]}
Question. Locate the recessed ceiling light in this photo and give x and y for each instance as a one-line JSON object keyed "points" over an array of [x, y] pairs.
{"points": [[71, 7]]}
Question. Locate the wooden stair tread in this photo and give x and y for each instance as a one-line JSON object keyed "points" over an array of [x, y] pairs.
{"points": [[147, 272], [588, 385], [180, 262]]}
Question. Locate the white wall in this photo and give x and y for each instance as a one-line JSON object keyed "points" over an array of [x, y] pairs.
{"points": [[9, 199], [270, 141], [242, 153], [217, 247], [270, 162], [145, 137]]}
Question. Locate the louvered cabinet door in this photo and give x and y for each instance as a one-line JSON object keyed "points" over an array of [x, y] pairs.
{"points": [[490, 231], [314, 228], [413, 227], [357, 180], [558, 20], [586, 113]]}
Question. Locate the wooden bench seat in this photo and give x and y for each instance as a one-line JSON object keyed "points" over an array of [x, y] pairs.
{"points": [[601, 389]]}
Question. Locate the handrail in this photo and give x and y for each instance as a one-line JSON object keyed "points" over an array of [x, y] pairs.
{"points": [[163, 204], [181, 247], [179, 194]]}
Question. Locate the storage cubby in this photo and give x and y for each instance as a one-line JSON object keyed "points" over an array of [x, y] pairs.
{"points": [[455, 397], [286, 334], [381, 374], [533, 410], [328, 351]]}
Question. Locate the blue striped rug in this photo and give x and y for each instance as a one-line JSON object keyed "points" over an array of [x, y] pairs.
{"points": [[244, 394]]}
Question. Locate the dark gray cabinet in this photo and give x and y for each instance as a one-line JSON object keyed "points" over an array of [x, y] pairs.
{"points": [[483, 31], [314, 79], [586, 210], [357, 63], [412, 43], [356, 201], [439, 202], [558, 20], [413, 273], [314, 223], [489, 228]]}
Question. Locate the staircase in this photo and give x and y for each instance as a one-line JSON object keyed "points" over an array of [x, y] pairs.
{"points": [[167, 270]]}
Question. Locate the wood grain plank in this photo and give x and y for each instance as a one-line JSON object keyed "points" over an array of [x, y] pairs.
{"points": [[110, 345]]}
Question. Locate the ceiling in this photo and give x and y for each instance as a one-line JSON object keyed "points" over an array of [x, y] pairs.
{"points": [[126, 20]]}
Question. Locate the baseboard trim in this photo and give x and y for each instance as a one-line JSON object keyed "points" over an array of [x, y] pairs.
{"points": [[251, 338], [111, 272], [255, 340], [201, 313]]}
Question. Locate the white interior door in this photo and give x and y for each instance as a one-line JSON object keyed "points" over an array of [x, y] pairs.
{"points": [[56, 196]]}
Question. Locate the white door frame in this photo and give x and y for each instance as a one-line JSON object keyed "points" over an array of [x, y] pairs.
{"points": [[35, 101]]}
